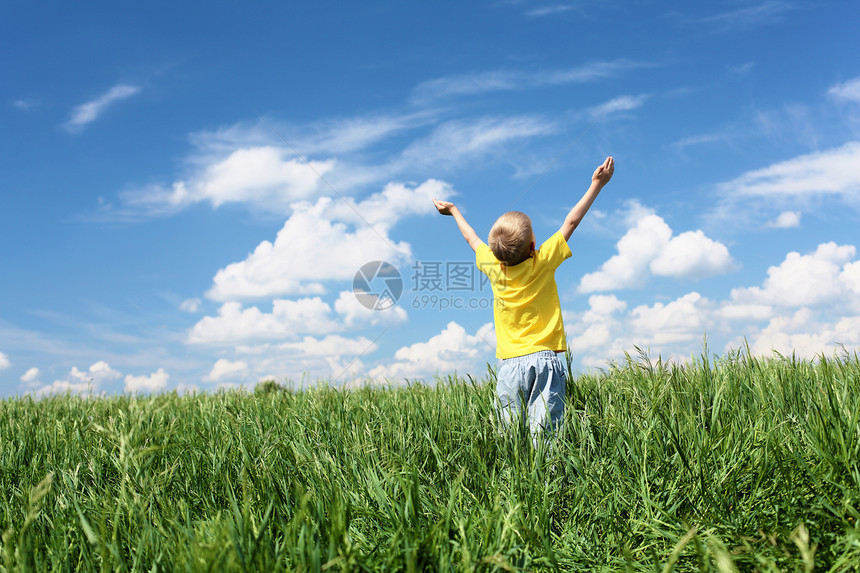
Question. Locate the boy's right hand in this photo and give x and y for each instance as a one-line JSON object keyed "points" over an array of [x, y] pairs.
{"points": [[603, 174], [444, 207]]}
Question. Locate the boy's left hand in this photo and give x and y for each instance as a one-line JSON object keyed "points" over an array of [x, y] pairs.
{"points": [[444, 207]]}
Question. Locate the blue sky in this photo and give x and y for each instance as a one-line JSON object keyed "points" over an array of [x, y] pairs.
{"points": [[189, 189]]}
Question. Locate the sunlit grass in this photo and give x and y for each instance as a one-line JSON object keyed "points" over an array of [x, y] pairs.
{"points": [[732, 463]]}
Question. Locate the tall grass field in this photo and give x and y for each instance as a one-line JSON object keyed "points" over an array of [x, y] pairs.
{"points": [[730, 463]]}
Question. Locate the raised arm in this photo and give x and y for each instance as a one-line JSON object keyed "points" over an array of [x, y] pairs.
{"points": [[601, 177], [447, 208]]}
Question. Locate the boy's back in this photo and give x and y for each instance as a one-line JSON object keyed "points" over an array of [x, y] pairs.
{"points": [[526, 310]]}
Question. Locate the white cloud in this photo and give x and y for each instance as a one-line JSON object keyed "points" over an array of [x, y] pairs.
{"points": [[692, 255], [850, 276], [849, 90], [354, 314], [744, 312], [191, 305], [698, 140], [785, 220], [331, 136], [684, 319], [636, 249], [152, 383], [331, 345], [351, 134], [81, 382], [618, 104], [63, 386], [605, 331], [809, 303], [4, 361], [88, 112], [597, 334], [332, 358], [749, 16], [806, 335], [101, 372], [183, 389], [453, 349], [266, 177], [387, 207], [24, 104], [506, 80], [293, 263], [461, 140], [809, 280], [30, 375], [549, 10], [224, 368], [648, 247], [288, 318], [742, 69], [834, 172]]}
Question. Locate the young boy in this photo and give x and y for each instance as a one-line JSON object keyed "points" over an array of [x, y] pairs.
{"points": [[527, 312]]}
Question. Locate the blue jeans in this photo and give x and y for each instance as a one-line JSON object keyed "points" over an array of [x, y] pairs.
{"points": [[531, 389]]}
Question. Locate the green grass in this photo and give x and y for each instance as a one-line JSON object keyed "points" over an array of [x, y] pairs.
{"points": [[732, 463]]}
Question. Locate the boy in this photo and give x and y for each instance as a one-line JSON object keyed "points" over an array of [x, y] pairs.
{"points": [[527, 312]]}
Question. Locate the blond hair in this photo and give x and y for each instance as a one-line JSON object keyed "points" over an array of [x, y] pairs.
{"points": [[511, 238]]}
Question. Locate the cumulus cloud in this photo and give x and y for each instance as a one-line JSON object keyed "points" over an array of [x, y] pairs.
{"points": [[354, 314], [88, 112], [333, 358], [386, 208], [692, 255], [152, 383], [648, 248], [605, 331], [804, 333], [809, 303], [850, 276], [814, 279], [90, 381], [332, 345], [597, 333], [453, 349], [785, 220], [684, 319], [4, 361], [849, 90], [641, 244], [266, 177], [293, 264], [30, 375], [223, 368], [289, 319]]}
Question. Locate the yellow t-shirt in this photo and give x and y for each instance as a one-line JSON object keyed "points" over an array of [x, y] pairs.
{"points": [[526, 308]]}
